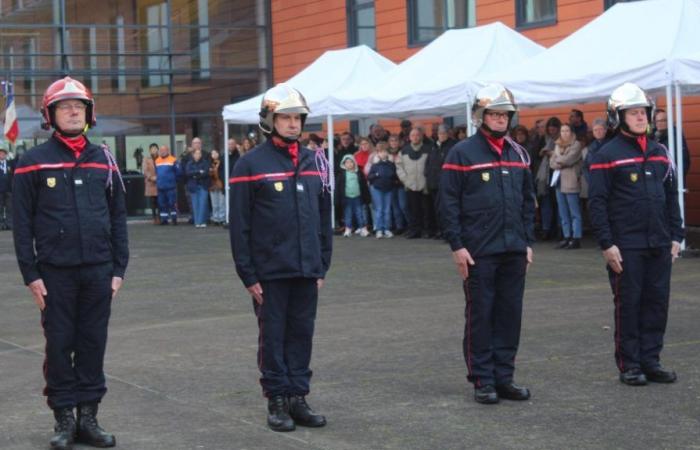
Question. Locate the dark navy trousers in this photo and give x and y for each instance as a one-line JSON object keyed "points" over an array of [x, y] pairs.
{"points": [[641, 297], [75, 320], [494, 295], [286, 328]]}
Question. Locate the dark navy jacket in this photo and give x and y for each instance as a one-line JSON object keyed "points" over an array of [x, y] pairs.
{"points": [[382, 176], [6, 177], [593, 147], [487, 201], [197, 174], [63, 209], [280, 216], [631, 201]]}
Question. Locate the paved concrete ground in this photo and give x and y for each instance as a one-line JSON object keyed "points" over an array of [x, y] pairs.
{"points": [[387, 356]]}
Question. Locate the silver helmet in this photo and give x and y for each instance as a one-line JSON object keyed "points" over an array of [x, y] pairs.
{"points": [[494, 97], [281, 99], [628, 96]]}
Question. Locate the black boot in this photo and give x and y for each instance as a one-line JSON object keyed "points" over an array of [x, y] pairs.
{"points": [[486, 395], [660, 375], [633, 377], [512, 391], [89, 432], [278, 414], [302, 413], [563, 243], [64, 429], [573, 244]]}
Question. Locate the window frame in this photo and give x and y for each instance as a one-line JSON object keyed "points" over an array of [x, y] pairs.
{"points": [[607, 4], [351, 10], [522, 24], [411, 21]]}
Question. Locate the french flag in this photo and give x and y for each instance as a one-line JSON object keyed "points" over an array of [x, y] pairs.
{"points": [[11, 129]]}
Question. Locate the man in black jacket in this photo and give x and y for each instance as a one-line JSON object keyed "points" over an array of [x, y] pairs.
{"points": [[433, 169], [661, 136], [6, 172], [633, 202], [281, 239], [488, 212], [71, 244]]}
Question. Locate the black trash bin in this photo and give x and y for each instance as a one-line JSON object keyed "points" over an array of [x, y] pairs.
{"points": [[134, 183]]}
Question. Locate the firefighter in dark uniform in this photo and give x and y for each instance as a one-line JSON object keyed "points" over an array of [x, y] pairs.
{"points": [[71, 245], [281, 239], [488, 209], [636, 216]]}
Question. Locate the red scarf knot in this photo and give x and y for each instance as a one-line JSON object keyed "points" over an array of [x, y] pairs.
{"points": [[292, 148], [75, 144]]}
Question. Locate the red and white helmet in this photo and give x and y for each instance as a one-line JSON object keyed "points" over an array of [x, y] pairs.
{"points": [[66, 89]]}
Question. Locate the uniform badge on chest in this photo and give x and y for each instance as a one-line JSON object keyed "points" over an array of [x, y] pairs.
{"points": [[485, 176], [279, 186], [634, 177], [51, 182]]}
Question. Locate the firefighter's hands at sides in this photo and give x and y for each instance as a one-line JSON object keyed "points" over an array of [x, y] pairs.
{"points": [[38, 291], [257, 292], [613, 258], [463, 260], [116, 285], [675, 250]]}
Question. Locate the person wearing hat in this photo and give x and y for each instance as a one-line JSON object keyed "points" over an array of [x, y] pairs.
{"points": [[635, 213], [487, 206], [281, 240], [71, 243], [6, 172]]}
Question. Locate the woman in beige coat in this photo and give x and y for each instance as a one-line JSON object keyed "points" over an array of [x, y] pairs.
{"points": [[149, 175], [567, 159]]}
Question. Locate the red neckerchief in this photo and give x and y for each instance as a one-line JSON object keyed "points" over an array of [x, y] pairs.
{"points": [[496, 143], [642, 141], [75, 144], [292, 148]]}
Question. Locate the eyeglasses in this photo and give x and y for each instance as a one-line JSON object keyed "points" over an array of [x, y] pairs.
{"points": [[497, 114], [72, 106]]}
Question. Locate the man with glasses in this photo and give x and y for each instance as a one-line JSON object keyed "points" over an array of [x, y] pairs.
{"points": [[487, 208], [71, 245]]}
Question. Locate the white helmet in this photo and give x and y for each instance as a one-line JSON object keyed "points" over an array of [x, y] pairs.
{"points": [[281, 99], [494, 97], [627, 96]]}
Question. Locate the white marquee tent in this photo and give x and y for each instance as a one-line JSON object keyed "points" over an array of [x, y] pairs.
{"points": [[631, 42], [347, 69], [441, 78]]}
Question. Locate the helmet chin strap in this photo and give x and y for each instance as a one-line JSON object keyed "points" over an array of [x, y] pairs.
{"points": [[67, 134], [496, 134], [287, 140], [628, 130]]}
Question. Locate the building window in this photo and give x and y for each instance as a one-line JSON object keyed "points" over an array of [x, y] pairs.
{"points": [[361, 24], [535, 13], [157, 44], [428, 19], [609, 3]]}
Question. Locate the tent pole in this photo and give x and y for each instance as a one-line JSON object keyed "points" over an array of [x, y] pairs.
{"points": [[469, 118], [671, 127], [331, 164], [226, 174], [679, 159]]}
